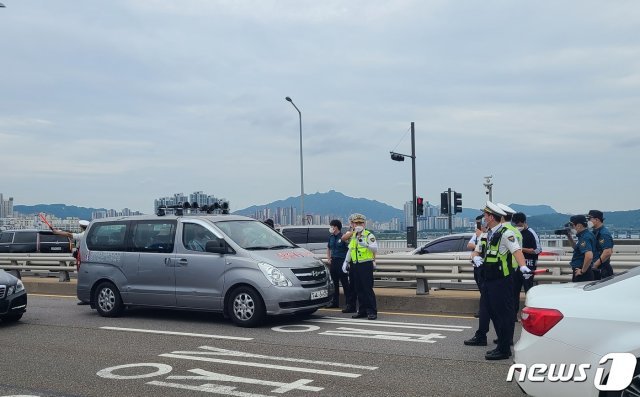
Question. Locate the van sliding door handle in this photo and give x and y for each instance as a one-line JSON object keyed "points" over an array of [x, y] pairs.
{"points": [[183, 262]]}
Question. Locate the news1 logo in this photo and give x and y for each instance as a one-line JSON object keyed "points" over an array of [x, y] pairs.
{"points": [[620, 375]]}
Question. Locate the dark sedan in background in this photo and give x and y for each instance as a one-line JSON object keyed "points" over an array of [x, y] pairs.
{"points": [[13, 298]]}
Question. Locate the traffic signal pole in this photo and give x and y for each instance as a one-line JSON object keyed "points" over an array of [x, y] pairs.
{"points": [[413, 175], [450, 211]]}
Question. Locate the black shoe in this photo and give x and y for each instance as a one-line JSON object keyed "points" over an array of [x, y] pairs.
{"points": [[475, 341], [334, 306], [348, 309], [359, 315], [497, 355], [492, 351], [372, 316], [496, 342]]}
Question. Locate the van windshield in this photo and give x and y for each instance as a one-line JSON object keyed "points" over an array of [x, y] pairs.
{"points": [[253, 235]]}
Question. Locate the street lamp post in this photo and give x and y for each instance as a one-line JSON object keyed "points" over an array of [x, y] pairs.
{"points": [[488, 185], [301, 164], [413, 239]]}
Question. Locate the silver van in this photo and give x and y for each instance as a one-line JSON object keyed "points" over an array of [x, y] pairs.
{"points": [[220, 263]]}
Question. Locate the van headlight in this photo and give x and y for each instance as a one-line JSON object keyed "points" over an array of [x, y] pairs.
{"points": [[14, 289], [274, 275]]}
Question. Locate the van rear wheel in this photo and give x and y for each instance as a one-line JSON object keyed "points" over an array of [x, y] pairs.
{"points": [[245, 306], [107, 300]]}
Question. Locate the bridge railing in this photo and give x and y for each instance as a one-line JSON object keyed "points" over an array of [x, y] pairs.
{"points": [[17, 263], [418, 268]]}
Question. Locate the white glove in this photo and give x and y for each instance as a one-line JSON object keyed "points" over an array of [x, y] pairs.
{"points": [[477, 261], [524, 270], [527, 276], [345, 267]]}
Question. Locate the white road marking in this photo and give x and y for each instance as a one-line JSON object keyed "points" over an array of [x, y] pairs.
{"points": [[152, 331], [263, 365], [161, 369], [300, 384], [399, 336], [389, 324], [296, 328], [216, 351], [208, 388]]}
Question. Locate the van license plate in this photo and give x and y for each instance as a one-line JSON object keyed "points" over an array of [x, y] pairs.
{"points": [[56, 248], [319, 294]]}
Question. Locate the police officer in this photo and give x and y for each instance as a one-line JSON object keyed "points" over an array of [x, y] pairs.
{"points": [[531, 248], [604, 246], [336, 253], [362, 251], [582, 249], [477, 257], [498, 266]]}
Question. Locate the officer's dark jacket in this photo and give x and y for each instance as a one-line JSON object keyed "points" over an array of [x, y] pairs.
{"points": [[338, 247], [586, 242]]}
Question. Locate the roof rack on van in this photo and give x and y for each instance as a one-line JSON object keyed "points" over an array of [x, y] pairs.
{"points": [[218, 207]]}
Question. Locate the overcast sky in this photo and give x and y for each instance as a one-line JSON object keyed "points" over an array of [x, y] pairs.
{"points": [[113, 104]]}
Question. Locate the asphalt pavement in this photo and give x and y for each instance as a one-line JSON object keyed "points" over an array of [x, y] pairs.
{"points": [[438, 301]]}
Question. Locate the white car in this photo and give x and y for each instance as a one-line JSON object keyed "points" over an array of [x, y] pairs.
{"points": [[580, 339]]}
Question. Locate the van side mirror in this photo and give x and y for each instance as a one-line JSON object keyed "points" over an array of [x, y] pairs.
{"points": [[216, 247]]}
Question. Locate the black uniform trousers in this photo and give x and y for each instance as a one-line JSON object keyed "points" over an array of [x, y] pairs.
{"points": [[498, 300], [588, 276], [363, 279], [605, 270], [483, 313], [518, 282], [339, 277]]}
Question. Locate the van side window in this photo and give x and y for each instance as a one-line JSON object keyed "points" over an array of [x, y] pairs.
{"points": [[154, 236], [107, 236], [195, 237], [6, 237], [25, 237], [317, 235], [298, 235]]}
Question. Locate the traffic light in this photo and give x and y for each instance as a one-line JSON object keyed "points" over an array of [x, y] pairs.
{"points": [[444, 203], [457, 202], [420, 206]]}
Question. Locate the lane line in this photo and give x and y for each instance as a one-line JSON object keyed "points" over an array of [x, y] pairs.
{"points": [[151, 331]]}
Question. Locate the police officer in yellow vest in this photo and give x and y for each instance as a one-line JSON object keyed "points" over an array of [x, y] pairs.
{"points": [[362, 252], [498, 265]]}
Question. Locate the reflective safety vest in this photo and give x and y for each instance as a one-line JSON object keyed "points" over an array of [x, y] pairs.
{"points": [[360, 254], [497, 265], [518, 237]]}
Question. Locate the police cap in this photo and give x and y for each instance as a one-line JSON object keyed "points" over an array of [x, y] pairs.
{"points": [[506, 208], [357, 218], [492, 208]]}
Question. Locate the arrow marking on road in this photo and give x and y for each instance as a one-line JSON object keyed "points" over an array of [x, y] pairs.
{"points": [[362, 333]]}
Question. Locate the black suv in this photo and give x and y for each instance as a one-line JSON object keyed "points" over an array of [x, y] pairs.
{"points": [[29, 241]]}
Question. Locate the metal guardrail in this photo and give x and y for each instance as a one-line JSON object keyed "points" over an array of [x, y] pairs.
{"points": [[459, 268], [16, 263], [405, 267]]}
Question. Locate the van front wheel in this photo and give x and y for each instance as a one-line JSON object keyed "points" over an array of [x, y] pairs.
{"points": [[245, 307], [107, 300]]}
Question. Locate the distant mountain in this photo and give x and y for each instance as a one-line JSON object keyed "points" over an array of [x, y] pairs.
{"points": [[334, 204], [59, 210], [613, 220], [533, 210]]}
